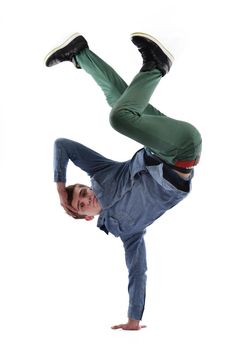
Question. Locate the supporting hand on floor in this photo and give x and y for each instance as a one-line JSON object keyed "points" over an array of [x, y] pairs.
{"points": [[131, 325]]}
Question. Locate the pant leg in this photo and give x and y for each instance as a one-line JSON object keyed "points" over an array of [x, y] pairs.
{"points": [[168, 138], [106, 77]]}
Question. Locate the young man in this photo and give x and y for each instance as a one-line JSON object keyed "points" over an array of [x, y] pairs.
{"points": [[128, 196]]}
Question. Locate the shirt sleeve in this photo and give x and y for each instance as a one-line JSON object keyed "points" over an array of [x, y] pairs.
{"points": [[135, 256], [82, 156], [60, 160]]}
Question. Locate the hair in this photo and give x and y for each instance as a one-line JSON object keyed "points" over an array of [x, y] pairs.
{"points": [[70, 191]]}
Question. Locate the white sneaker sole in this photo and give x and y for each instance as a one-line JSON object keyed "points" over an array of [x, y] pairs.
{"points": [[65, 43], [148, 36]]}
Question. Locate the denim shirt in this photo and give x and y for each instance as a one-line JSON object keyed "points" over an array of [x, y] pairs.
{"points": [[132, 196]]}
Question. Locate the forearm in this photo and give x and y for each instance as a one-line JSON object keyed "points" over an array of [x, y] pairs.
{"points": [[137, 292], [135, 255], [83, 157], [60, 162], [60, 186]]}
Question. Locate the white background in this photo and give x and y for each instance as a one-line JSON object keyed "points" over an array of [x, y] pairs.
{"points": [[64, 282]]}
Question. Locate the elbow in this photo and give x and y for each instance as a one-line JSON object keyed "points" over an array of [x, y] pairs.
{"points": [[59, 141]]}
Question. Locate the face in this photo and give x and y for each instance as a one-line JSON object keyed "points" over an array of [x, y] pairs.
{"points": [[85, 202]]}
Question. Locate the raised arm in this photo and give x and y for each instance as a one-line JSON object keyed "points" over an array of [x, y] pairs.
{"points": [[135, 256], [83, 157]]}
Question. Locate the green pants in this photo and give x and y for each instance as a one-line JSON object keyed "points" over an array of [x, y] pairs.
{"points": [[132, 115]]}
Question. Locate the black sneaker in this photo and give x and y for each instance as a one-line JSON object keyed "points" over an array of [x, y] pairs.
{"points": [[67, 51], [154, 54]]}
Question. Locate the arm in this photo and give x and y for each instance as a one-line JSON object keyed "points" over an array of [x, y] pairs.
{"points": [[61, 188], [83, 157], [135, 255]]}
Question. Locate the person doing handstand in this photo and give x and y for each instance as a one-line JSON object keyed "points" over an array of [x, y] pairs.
{"points": [[128, 196]]}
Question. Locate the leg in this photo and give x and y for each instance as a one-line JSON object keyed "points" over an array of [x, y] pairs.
{"points": [[174, 141], [75, 49], [169, 139], [106, 77], [109, 81]]}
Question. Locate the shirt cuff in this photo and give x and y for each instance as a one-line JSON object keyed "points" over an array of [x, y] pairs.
{"points": [[59, 177], [135, 312]]}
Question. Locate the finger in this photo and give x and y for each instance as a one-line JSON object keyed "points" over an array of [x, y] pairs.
{"points": [[131, 328], [67, 211], [126, 327], [117, 326], [70, 208], [65, 204], [71, 213]]}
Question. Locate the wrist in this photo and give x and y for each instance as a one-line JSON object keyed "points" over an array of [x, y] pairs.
{"points": [[61, 186], [133, 322]]}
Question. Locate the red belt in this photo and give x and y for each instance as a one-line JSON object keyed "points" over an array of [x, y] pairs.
{"points": [[186, 163]]}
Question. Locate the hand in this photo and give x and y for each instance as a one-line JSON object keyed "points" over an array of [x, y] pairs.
{"points": [[131, 325], [63, 200]]}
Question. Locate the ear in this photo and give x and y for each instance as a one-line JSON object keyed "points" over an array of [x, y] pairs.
{"points": [[88, 218]]}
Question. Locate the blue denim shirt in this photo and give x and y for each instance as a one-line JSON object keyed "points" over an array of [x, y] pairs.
{"points": [[132, 196]]}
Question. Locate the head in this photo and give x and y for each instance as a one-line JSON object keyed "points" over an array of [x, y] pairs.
{"points": [[83, 199]]}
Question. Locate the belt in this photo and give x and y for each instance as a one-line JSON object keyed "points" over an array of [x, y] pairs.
{"points": [[186, 164], [168, 173]]}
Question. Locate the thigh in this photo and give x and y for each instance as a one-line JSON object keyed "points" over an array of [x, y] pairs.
{"points": [[171, 139], [168, 138]]}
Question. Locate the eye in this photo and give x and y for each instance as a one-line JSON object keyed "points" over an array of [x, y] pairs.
{"points": [[83, 192]]}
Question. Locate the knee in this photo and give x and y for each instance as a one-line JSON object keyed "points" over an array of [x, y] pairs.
{"points": [[192, 141], [123, 119], [196, 136], [192, 135]]}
